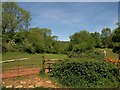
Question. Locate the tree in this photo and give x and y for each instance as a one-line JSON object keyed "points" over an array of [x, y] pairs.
{"points": [[116, 40], [81, 41], [106, 37], [36, 38], [97, 39], [14, 18], [60, 47], [41, 39]]}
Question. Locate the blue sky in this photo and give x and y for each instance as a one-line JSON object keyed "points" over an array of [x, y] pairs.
{"points": [[66, 18]]}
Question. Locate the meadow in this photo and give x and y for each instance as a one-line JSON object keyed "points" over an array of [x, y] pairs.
{"points": [[34, 60]]}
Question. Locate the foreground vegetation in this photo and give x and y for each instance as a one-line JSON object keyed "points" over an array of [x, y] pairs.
{"points": [[86, 73]]}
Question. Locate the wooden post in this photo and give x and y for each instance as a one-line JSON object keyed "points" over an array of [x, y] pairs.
{"points": [[43, 61]]}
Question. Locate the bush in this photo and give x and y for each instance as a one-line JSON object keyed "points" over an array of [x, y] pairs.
{"points": [[11, 46], [99, 55], [27, 47], [86, 73]]}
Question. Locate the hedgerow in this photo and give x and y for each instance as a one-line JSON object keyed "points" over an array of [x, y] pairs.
{"points": [[98, 55], [87, 73]]}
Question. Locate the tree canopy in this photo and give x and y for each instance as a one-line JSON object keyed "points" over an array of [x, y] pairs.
{"points": [[106, 37], [116, 40], [14, 18], [81, 41], [17, 36]]}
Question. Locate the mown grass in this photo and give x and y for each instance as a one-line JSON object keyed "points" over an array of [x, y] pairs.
{"points": [[55, 56], [34, 60], [16, 55]]}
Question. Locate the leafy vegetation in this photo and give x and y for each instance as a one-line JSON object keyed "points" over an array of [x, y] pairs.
{"points": [[17, 36], [98, 55], [116, 40], [85, 66], [106, 38], [86, 73], [81, 41], [14, 19]]}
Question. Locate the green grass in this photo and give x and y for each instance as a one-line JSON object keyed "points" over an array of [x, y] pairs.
{"points": [[55, 56], [29, 63], [34, 60], [109, 53], [16, 55]]}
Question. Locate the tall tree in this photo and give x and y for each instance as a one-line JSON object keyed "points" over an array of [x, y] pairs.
{"points": [[97, 39], [14, 18], [116, 40], [81, 41], [106, 37]]}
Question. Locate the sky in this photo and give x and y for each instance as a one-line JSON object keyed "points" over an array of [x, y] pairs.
{"points": [[62, 0], [66, 18]]}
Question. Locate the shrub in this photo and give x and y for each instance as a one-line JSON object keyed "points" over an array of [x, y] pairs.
{"points": [[11, 46], [27, 47], [86, 73], [99, 55]]}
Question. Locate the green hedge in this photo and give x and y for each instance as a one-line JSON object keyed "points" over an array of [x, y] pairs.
{"points": [[88, 73], [98, 55]]}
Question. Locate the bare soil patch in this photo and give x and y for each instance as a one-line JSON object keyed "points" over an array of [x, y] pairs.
{"points": [[31, 81], [25, 78], [19, 72]]}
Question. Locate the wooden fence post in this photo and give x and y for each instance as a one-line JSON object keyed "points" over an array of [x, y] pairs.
{"points": [[43, 61]]}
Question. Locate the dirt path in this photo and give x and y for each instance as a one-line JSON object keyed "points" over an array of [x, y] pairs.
{"points": [[20, 72], [25, 78], [32, 81]]}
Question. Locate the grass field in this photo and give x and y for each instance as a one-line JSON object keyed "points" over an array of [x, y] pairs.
{"points": [[109, 53], [16, 55], [33, 61]]}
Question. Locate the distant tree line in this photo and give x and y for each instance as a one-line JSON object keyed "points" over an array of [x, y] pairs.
{"points": [[84, 40], [17, 36]]}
